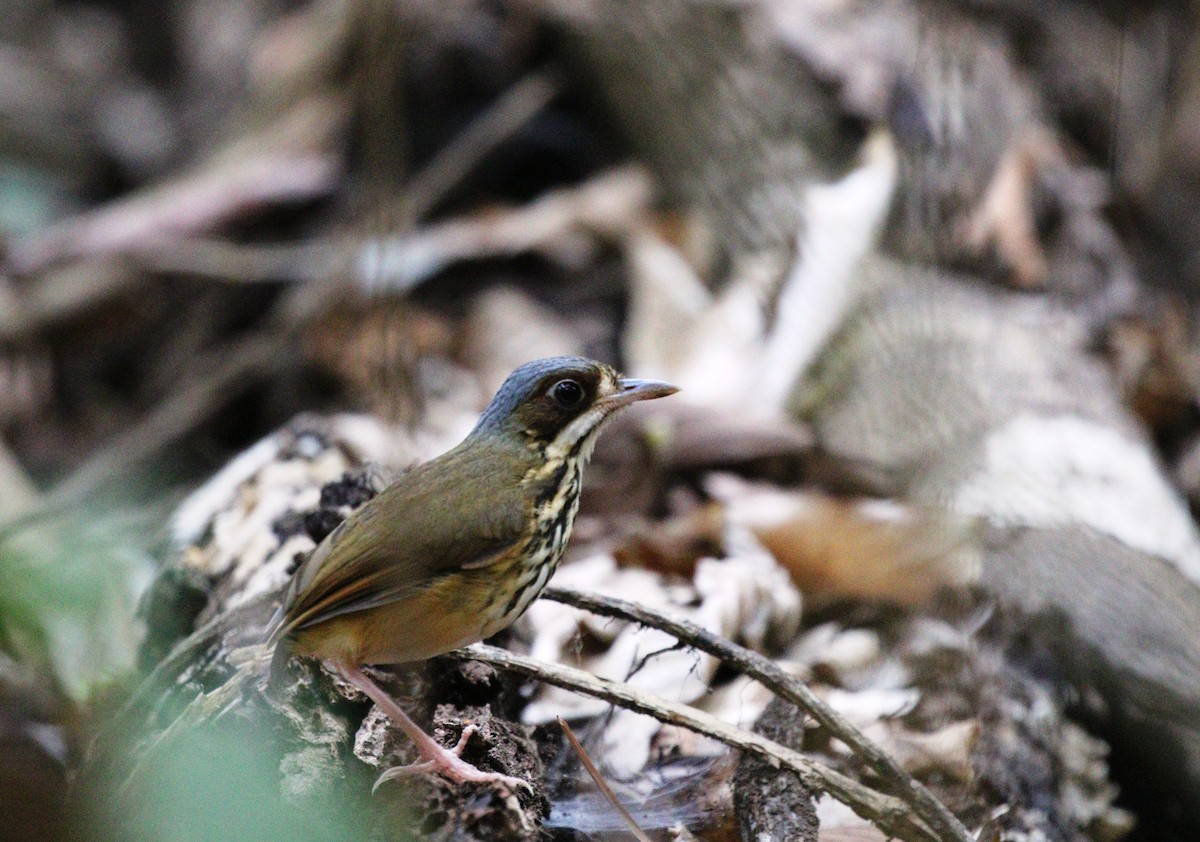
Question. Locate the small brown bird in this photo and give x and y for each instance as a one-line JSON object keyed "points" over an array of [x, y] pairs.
{"points": [[458, 548]]}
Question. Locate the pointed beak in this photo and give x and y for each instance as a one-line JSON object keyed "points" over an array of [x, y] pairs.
{"points": [[630, 390]]}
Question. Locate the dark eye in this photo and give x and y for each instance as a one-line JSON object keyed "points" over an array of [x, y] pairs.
{"points": [[567, 393]]}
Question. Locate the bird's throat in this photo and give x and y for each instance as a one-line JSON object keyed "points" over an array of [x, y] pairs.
{"points": [[556, 501]]}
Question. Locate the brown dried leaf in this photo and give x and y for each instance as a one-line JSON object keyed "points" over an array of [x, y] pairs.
{"points": [[675, 545], [839, 824], [1004, 219], [872, 549], [371, 344], [946, 750], [1157, 366]]}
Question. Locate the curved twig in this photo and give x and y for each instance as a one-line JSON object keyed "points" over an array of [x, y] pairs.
{"points": [[888, 813], [775, 679]]}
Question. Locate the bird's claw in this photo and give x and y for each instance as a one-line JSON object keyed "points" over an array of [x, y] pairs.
{"points": [[449, 763], [397, 772]]}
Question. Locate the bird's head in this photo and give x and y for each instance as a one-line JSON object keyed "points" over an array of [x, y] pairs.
{"points": [[558, 404]]}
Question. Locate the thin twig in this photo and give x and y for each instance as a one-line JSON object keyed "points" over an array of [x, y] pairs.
{"points": [[605, 789], [500, 121], [770, 675], [220, 374], [210, 388], [888, 813]]}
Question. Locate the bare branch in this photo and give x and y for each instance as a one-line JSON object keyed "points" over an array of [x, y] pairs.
{"points": [[932, 811], [890, 814]]}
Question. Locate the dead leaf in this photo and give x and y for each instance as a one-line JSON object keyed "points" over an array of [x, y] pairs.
{"points": [[746, 597], [946, 751], [1004, 219], [870, 549]]}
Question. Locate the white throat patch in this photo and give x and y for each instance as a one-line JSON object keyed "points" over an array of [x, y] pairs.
{"points": [[584, 428]]}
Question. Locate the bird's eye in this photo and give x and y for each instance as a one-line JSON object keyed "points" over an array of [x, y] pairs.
{"points": [[567, 393]]}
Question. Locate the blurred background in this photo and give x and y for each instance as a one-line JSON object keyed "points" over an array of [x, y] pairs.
{"points": [[926, 270]]}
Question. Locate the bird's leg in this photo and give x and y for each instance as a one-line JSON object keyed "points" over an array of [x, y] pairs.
{"points": [[434, 756]]}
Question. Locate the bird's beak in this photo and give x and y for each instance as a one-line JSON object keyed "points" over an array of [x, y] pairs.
{"points": [[630, 390]]}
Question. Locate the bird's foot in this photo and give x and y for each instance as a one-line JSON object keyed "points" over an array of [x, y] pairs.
{"points": [[448, 762]]}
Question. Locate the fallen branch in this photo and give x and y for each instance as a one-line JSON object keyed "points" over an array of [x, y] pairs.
{"points": [[771, 676], [234, 263], [890, 814]]}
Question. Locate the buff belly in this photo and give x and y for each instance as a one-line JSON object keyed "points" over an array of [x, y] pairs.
{"points": [[455, 611]]}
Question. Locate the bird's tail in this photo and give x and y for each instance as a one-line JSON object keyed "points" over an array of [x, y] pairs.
{"points": [[277, 672], [277, 636]]}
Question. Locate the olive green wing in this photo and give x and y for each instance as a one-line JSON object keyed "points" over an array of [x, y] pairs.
{"points": [[447, 515]]}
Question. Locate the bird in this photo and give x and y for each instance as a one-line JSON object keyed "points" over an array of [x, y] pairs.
{"points": [[456, 549]]}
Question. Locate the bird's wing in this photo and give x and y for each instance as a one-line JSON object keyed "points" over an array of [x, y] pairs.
{"points": [[441, 517]]}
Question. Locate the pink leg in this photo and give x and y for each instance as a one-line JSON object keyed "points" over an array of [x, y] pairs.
{"points": [[435, 757]]}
